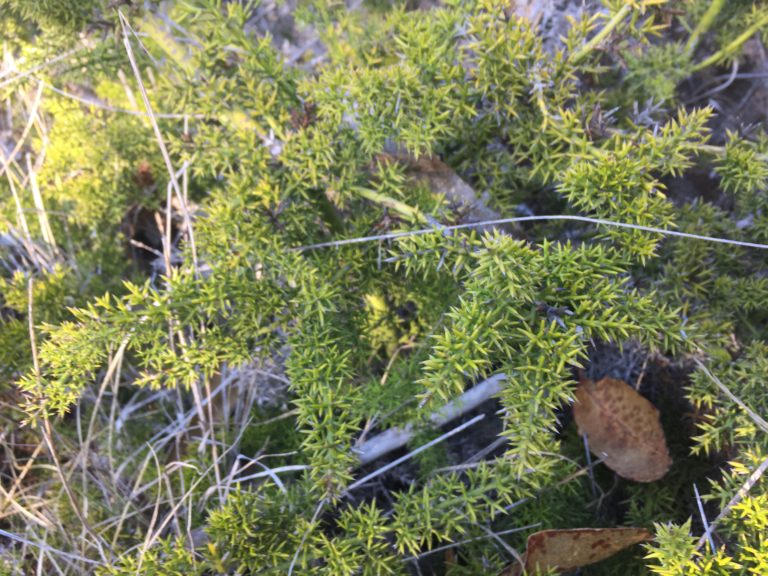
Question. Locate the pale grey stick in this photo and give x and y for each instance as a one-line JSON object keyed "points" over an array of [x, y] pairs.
{"points": [[395, 438], [410, 455]]}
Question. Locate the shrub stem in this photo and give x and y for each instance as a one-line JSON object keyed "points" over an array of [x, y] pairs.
{"points": [[704, 24], [396, 205], [602, 35], [733, 46]]}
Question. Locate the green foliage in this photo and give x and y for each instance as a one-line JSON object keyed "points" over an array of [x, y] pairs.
{"points": [[52, 293], [108, 154], [167, 558], [67, 15], [262, 529], [724, 426], [275, 154], [744, 174], [677, 554], [653, 74]]}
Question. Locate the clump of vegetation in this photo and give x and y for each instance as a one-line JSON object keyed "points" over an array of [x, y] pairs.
{"points": [[311, 289]]}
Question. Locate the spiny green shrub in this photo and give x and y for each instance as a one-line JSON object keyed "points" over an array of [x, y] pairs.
{"points": [[67, 15], [257, 177]]}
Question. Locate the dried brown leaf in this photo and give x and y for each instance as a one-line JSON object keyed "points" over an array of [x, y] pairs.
{"points": [[442, 179], [623, 427], [565, 550]]}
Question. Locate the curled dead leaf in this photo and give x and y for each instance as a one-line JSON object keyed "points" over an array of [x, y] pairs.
{"points": [[442, 179], [623, 427], [565, 550]]}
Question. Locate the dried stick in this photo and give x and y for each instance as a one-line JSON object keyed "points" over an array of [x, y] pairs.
{"points": [[395, 438]]}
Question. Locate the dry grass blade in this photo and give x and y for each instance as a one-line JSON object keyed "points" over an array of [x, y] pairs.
{"points": [[738, 497], [41, 66], [42, 215], [48, 436], [158, 135], [46, 548], [9, 497], [174, 183], [756, 418], [30, 122]]}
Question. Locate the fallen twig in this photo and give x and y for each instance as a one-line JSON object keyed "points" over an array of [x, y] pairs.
{"points": [[395, 438]]}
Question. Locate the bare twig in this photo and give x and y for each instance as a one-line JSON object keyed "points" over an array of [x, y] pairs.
{"points": [[395, 438], [413, 453]]}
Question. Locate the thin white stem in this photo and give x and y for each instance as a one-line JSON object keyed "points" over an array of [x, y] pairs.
{"points": [[158, 135], [756, 418], [37, 197], [47, 548], [738, 497], [47, 430], [40, 66], [103, 106], [467, 541], [599, 221], [704, 521], [304, 537]]}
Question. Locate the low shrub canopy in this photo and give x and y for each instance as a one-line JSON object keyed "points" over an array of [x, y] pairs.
{"points": [[243, 241]]}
